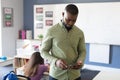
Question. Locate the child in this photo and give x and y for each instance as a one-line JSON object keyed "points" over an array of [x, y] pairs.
{"points": [[35, 67]]}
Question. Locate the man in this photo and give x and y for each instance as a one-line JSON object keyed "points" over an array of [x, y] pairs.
{"points": [[67, 46]]}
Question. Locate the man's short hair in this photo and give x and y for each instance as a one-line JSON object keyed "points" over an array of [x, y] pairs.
{"points": [[72, 9]]}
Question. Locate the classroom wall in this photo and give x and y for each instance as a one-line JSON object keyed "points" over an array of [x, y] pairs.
{"points": [[9, 35], [0, 31], [28, 24]]}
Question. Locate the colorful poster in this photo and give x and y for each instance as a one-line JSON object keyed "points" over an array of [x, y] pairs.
{"points": [[8, 17], [39, 10], [39, 17], [49, 22]]}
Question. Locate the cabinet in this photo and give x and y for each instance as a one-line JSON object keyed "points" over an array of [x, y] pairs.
{"points": [[24, 50], [19, 61]]}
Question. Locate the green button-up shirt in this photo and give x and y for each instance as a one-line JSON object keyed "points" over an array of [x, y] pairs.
{"points": [[58, 43]]}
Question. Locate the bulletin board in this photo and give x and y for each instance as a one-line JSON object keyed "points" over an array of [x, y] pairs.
{"points": [[100, 22]]}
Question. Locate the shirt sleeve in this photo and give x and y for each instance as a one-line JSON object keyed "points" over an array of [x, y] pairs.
{"points": [[46, 46], [82, 49]]}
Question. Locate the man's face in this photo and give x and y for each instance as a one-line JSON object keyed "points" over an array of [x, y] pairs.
{"points": [[69, 19]]}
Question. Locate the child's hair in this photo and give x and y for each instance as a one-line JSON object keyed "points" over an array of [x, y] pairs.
{"points": [[32, 65]]}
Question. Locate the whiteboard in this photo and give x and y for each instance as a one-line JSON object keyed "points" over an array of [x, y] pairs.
{"points": [[100, 22]]}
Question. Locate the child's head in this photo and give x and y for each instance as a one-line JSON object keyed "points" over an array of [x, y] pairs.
{"points": [[32, 65], [36, 58]]}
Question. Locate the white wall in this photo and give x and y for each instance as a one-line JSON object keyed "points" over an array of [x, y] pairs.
{"points": [[0, 31], [9, 35]]}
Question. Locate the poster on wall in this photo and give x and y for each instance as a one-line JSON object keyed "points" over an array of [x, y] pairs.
{"points": [[39, 10], [49, 14], [39, 17], [49, 22], [43, 19], [8, 17], [39, 25]]}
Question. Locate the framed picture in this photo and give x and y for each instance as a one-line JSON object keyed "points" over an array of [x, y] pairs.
{"points": [[39, 25], [49, 22], [39, 17], [7, 17], [39, 10], [49, 13]]}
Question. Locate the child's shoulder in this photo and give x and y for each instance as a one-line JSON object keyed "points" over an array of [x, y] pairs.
{"points": [[42, 66]]}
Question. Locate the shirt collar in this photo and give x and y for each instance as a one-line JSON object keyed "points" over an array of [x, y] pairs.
{"points": [[64, 26]]}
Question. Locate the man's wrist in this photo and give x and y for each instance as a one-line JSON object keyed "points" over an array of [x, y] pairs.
{"points": [[55, 62]]}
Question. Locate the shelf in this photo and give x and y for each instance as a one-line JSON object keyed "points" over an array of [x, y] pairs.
{"points": [[23, 56], [24, 50]]}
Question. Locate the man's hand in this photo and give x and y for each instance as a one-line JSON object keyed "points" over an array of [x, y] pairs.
{"points": [[78, 65], [61, 64]]}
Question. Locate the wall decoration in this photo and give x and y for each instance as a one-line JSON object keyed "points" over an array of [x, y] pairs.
{"points": [[39, 25], [43, 19], [49, 14], [8, 17], [49, 22], [39, 10], [39, 17]]}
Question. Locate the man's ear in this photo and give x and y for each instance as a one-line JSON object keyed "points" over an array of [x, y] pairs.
{"points": [[63, 14]]}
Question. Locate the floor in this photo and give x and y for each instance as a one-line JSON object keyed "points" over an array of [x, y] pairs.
{"points": [[105, 73], [5, 70]]}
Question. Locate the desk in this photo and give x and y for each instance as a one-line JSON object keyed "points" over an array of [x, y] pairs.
{"points": [[6, 62]]}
